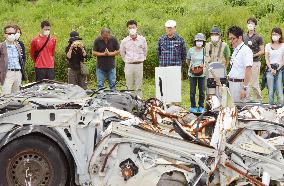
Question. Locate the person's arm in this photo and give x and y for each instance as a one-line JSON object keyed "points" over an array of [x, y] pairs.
{"points": [[145, 48], [282, 63], [33, 49], [183, 51], [116, 51], [227, 54], [122, 50], [261, 51], [159, 49], [69, 52], [248, 73], [54, 46], [95, 52]]}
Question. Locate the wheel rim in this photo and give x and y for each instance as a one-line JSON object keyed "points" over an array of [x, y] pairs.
{"points": [[29, 167]]}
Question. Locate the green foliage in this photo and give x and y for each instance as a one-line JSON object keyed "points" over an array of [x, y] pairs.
{"points": [[88, 17]]}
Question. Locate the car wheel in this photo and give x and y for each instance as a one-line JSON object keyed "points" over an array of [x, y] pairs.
{"points": [[32, 160]]}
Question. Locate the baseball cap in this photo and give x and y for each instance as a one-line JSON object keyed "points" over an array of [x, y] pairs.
{"points": [[199, 37], [215, 30], [170, 23]]}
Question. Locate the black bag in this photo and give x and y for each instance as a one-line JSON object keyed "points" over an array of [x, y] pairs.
{"points": [[37, 52]]}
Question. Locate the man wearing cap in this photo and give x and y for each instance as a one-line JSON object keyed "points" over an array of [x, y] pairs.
{"points": [[216, 49], [255, 42], [171, 49], [42, 53], [241, 65], [133, 50], [76, 53]]}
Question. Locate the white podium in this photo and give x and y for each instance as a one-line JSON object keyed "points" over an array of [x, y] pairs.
{"points": [[168, 84]]}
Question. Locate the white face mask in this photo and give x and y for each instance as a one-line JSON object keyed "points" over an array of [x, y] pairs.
{"points": [[199, 43], [17, 36], [251, 26], [132, 31], [11, 38], [215, 39], [46, 32], [275, 38]]}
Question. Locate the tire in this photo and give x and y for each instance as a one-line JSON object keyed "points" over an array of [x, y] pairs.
{"points": [[34, 158]]}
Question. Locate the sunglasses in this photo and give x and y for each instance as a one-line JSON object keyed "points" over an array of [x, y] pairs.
{"points": [[10, 33]]}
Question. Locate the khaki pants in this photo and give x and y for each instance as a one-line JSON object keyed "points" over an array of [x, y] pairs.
{"points": [[134, 77], [12, 82], [235, 90], [255, 92]]}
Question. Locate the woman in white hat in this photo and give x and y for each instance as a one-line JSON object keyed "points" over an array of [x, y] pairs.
{"points": [[195, 61]]}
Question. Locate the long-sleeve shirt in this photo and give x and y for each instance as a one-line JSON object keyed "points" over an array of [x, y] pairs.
{"points": [[46, 56], [171, 51], [133, 50]]}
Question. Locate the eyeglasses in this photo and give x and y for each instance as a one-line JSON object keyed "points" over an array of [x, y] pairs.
{"points": [[10, 33]]}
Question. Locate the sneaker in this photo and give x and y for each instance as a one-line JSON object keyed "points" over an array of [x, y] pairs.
{"points": [[193, 109], [200, 109]]}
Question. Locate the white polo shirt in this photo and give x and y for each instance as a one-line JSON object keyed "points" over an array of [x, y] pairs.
{"points": [[241, 58]]}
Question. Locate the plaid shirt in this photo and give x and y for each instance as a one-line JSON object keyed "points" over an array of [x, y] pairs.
{"points": [[171, 51]]}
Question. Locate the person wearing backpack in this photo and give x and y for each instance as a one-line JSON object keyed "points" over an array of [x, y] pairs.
{"points": [[195, 61], [42, 53], [217, 50]]}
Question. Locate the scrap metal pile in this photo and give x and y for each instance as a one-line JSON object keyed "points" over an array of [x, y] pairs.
{"points": [[118, 139]]}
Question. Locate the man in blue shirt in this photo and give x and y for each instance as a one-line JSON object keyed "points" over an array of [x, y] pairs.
{"points": [[11, 64], [171, 49]]}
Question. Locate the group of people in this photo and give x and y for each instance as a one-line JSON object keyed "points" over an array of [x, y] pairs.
{"points": [[171, 51]]}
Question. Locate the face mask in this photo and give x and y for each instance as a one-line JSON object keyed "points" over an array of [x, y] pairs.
{"points": [[199, 43], [46, 32], [132, 31], [215, 39], [11, 38], [275, 38], [250, 26], [17, 36]]}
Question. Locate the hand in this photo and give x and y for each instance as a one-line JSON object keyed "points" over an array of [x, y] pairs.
{"points": [[202, 65], [243, 94]]}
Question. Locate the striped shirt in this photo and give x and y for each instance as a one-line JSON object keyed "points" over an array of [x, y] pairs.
{"points": [[171, 51], [13, 57]]}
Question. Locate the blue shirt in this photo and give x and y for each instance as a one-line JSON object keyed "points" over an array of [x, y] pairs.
{"points": [[13, 57], [171, 51]]}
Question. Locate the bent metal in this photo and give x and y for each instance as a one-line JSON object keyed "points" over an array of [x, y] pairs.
{"points": [[56, 134]]}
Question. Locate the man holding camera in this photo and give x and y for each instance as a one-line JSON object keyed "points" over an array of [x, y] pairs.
{"points": [[42, 53]]}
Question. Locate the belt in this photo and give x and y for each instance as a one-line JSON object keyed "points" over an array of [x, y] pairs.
{"points": [[236, 80], [138, 62], [14, 69]]}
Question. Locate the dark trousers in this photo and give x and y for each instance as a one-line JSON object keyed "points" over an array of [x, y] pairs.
{"points": [[44, 73], [194, 81], [76, 78]]}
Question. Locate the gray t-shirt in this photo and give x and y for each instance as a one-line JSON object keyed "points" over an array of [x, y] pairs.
{"points": [[254, 42]]}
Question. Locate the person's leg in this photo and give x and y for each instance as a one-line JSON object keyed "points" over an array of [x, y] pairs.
{"points": [[138, 79], [254, 85], [201, 87], [279, 88], [50, 73], [17, 81], [193, 82], [100, 78], [40, 74], [72, 77], [112, 78], [129, 76], [82, 80], [235, 90], [8, 83], [270, 85]]}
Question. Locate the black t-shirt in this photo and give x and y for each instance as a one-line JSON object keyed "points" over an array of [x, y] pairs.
{"points": [[76, 58], [106, 62]]}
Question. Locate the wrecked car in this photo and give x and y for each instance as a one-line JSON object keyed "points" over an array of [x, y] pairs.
{"points": [[57, 134]]}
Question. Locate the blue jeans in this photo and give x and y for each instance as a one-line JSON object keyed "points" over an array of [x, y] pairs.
{"points": [[102, 75], [276, 82]]}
